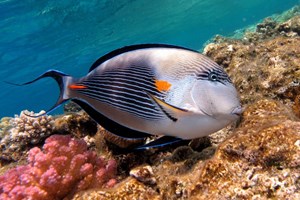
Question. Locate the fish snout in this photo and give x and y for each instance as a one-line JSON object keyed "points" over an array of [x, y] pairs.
{"points": [[237, 111]]}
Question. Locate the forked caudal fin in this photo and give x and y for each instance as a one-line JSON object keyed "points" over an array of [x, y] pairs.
{"points": [[60, 78]]}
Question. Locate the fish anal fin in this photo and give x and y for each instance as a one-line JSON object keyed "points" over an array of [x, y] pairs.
{"points": [[170, 111]]}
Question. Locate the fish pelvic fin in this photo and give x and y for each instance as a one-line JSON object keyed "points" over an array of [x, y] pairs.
{"points": [[61, 79], [172, 112], [163, 141]]}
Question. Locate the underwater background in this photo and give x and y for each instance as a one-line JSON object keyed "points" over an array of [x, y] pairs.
{"points": [[69, 35]]}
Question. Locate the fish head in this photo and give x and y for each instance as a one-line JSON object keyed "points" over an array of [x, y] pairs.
{"points": [[217, 97]]}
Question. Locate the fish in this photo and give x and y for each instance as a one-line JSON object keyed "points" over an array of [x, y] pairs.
{"points": [[143, 90]]}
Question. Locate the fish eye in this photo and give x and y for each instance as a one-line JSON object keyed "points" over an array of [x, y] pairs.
{"points": [[213, 76]]}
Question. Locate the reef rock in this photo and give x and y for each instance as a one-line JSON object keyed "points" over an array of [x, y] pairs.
{"points": [[130, 188], [78, 124], [292, 25], [260, 160]]}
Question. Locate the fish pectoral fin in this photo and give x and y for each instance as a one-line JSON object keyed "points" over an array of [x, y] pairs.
{"points": [[161, 142], [170, 111]]}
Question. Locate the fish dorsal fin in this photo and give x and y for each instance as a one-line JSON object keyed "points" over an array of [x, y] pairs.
{"points": [[132, 48], [172, 112]]}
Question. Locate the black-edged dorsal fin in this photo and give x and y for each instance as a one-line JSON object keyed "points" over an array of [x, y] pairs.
{"points": [[132, 48]]}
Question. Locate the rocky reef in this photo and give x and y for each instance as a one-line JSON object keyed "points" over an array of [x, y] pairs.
{"points": [[256, 158], [260, 160]]}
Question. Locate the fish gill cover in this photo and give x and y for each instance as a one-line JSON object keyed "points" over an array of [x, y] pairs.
{"points": [[70, 35]]}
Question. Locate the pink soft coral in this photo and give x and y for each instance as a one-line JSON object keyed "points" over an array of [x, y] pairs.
{"points": [[62, 167]]}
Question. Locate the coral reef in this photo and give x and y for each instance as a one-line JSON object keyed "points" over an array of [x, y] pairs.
{"points": [[71, 107], [62, 167], [262, 157], [284, 24], [130, 188], [78, 124], [292, 26], [260, 160], [20, 133], [144, 174]]}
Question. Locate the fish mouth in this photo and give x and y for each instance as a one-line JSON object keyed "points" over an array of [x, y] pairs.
{"points": [[238, 111]]}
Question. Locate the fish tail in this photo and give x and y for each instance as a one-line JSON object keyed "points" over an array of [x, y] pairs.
{"points": [[61, 79]]}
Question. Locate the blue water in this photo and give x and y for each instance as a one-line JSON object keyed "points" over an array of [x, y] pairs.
{"points": [[69, 35]]}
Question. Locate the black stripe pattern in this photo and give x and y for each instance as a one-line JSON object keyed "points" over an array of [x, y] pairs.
{"points": [[215, 74], [125, 89]]}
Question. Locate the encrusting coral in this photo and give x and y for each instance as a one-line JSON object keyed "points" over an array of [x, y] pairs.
{"points": [[62, 167], [21, 132]]}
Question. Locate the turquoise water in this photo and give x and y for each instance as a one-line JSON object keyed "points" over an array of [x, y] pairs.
{"points": [[69, 35]]}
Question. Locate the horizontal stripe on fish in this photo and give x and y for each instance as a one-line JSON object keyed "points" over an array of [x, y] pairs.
{"points": [[220, 77], [128, 78], [138, 108], [138, 81], [147, 78], [132, 69], [138, 68], [146, 116], [116, 85], [210, 63], [121, 99], [113, 90], [129, 72], [198, 64]]}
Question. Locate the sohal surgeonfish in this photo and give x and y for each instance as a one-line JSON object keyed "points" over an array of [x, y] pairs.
{"points": [[153, 89]]}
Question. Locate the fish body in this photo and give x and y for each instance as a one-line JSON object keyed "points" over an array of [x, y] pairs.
{"points": [[154, 89]]}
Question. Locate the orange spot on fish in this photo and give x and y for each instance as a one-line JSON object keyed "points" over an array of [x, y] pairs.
{"points": [[76, 87], [162, 85]]}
